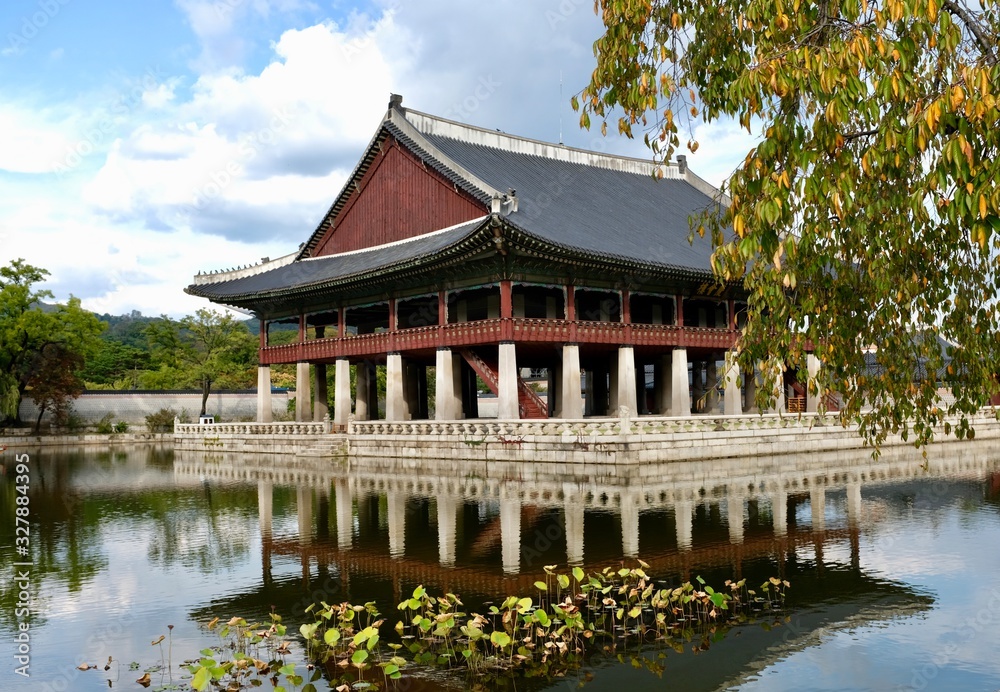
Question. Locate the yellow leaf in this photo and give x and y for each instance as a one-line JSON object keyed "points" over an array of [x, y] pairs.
{"points": [[932, 10], [982, 207]]}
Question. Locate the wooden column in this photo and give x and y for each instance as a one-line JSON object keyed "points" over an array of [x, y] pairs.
{"points": [[679, 317], [341, 323], [506, 310], [263, 333], [571, 311], [442, 316]]}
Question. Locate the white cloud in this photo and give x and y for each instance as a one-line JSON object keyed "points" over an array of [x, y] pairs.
{"points": [[31, 140]]}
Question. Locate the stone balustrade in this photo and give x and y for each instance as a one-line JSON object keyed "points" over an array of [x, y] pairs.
{"points": [[280, 428]]}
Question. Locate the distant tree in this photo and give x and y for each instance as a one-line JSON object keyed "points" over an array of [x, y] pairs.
{"points": [[115, 364], [27, 330], [203, 349], [54, 382]]}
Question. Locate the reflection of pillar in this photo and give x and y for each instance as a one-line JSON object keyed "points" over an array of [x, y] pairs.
{"points": [[507, 408], [853, 503], [342, 392], [779, 508], [626, 382], [265, 506], [684, 519], [812, 399], [573, 514], [265, 511], [680, 397], [817, 502], [447, 515], [303, 505], [448, 386], [395, 396], [345, 514], [732, 406], [510, 533], [264, 410], [303, 397], [396, 509], [734, 517], [320, 407], [630, 525], [572, 397]]}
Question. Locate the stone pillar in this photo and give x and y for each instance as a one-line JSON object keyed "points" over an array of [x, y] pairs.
{"points": [[320, 407], [812, 400], [345, 513], [510, 532], [342, 392], [779, 508], [395, 395], [396, 510], [734, 517], [778, 397], [571, 394], [662, 389], [265, 412], [680, 398], [589, 393], [853, 502], [613, 387], [698, 385], [507, 408], [817, 503], [630, 525], [573, 514], [711, 382], [552, 390], [600, 407], [448, 386], [303, 397], [626, 381], [361, 410], [750, 395], [265, 506], [684, 518], [447, 514], [732, 404]]}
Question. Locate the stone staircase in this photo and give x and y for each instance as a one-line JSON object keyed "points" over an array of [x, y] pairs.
{"points": [[326, 447], [529, 404]]}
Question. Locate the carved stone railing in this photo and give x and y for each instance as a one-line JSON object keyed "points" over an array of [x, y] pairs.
{"points": [[280, 428], [589, 427]]}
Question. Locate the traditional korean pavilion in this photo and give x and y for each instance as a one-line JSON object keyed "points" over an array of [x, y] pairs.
{"points": [[483, 253]]}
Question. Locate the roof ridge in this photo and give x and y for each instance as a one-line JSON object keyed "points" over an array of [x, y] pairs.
{"points": [[428, 124]]}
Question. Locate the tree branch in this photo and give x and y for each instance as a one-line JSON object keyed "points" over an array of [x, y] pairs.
{"points": [[988, 47]]}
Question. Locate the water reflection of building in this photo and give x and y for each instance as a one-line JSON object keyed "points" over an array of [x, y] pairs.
{"points": [[759, 506]]}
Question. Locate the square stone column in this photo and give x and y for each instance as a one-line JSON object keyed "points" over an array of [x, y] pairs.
{"points": [[507, 408], [711, 384], [395, 394], [732, 404], [303, 395], [361, 379], [662, 384], [571, 394], [265, 413], [342, 393], [750, 395], [698, 385], [812, 399], [626, 381], [320, 407], [778, 397], [448, 386], [680, 397]]}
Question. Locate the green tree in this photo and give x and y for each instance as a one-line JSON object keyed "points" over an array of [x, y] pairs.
{"points": [[27, 329], [203, 349], [867, 213]]}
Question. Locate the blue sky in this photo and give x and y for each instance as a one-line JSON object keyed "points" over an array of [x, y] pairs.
{"points": [[141, 142]]}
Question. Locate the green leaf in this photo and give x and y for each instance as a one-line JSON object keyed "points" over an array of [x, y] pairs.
{"points": [[500, 639], [359, 657], [540, 585], [331, 636], [578, 574], [201, 679]]}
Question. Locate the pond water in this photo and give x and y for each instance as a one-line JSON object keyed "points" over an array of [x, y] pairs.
{"points": [[893, 563]]}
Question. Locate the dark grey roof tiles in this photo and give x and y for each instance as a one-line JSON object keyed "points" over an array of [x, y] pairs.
{"points": [[600, 211], [304, 273]]}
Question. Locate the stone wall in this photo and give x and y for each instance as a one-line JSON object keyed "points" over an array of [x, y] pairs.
{"points": [[133, 406]]}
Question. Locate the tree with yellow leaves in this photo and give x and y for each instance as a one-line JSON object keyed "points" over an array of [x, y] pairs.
{"points": [[866, 217]]}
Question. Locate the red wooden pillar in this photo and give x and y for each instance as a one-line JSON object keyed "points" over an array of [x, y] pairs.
{"points": [[679, 317], [626, 298], [732, 315], [442, 315], [263, 333], [392, 315], [302, 328], [571, 311], [506, 311], [341, 322]]}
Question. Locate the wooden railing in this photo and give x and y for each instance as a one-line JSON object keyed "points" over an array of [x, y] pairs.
{"points": [[481, 332]]}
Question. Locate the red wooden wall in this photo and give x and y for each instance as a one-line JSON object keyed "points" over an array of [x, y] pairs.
{"points": [[399, 198]]}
